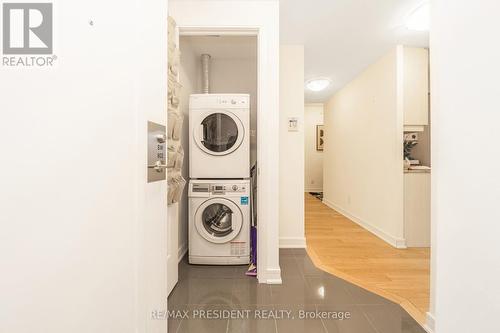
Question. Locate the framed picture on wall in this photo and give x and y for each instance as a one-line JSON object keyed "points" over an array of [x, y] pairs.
{"points": [[320, 137]]}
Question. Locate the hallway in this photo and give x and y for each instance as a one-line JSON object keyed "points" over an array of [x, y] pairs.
{"points": [[341, 247]]}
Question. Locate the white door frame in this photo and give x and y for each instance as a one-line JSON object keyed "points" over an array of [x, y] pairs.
{"points": [[268, 270]]}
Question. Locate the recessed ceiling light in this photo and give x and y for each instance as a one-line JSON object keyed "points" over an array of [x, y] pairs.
{"points": [[318, 84], [419, 19]]}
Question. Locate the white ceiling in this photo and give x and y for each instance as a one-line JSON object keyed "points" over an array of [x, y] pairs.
{"points": [[343, 37]]}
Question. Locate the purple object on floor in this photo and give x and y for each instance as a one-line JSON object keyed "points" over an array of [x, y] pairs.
{"points": [[252, 269]]}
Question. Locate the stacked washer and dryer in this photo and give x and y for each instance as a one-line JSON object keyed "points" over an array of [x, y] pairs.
{"points": [[219, 187]]}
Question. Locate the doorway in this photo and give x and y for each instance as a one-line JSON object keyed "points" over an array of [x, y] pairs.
{"points": [[314, 136], [220, 144], [244, 72]]}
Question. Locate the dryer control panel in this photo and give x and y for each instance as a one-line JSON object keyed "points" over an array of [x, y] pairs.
{"points": [[232, 101], [223, 101]]}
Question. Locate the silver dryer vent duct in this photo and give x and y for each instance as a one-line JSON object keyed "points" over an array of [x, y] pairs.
{"points": [[205, 66]]}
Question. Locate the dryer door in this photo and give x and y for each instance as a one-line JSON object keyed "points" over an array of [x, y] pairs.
{"points": [[220, 132], [218, 220]]}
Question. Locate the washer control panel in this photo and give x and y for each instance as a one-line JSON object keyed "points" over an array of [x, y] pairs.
{"points": [[219, 188], [224, 188]]}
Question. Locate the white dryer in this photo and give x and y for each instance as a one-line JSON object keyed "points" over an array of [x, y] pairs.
{"points": [[219, 145], [219, 222]]}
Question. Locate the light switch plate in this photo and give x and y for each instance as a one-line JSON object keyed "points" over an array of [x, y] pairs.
{"points": [[293, 124]]}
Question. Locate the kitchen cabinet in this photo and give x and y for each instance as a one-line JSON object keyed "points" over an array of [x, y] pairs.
{"points": [[414, 63], [417, 209]]}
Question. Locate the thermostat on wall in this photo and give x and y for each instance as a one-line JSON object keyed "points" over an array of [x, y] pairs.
{"points": [[293, 124]]}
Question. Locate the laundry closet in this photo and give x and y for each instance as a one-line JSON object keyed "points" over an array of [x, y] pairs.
{"points": [[218, 103]]}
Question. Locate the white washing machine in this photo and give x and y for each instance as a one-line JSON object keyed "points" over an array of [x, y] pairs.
{"points": [[219, 127], [219, 222]]}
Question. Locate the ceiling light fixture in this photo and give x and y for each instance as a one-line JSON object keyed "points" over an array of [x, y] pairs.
{"points": [[420, 18], [318, 84]]}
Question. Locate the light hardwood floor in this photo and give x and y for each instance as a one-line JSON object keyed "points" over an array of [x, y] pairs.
{"points": [[343, 248]]}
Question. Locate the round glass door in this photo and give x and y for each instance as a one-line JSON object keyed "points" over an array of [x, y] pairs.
{"points": [[218, 220], [219, 133]]}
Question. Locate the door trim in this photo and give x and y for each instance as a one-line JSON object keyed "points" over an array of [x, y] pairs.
{"points": [[266, 29]]}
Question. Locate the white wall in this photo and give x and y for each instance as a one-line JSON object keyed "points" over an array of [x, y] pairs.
{"points": [[228, 74], [465, 159], [82, 239], [261, 17], [291, 147], [363, 176], [313, 168]]}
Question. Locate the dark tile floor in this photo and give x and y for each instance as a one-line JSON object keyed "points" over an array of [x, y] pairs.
{"points": [[205, 291]]}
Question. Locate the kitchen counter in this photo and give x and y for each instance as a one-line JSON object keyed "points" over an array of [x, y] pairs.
{"points": [[418, 169], [417, 207]]}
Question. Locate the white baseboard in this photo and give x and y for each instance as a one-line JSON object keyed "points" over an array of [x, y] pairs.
{"points": [[182, 251], [292, 242], [307, 190], [399, 243], [271, 276], [430, 325]]}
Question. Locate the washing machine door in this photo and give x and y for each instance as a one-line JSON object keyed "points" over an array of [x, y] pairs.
{"points": [[219, 132], [218, 220]]}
